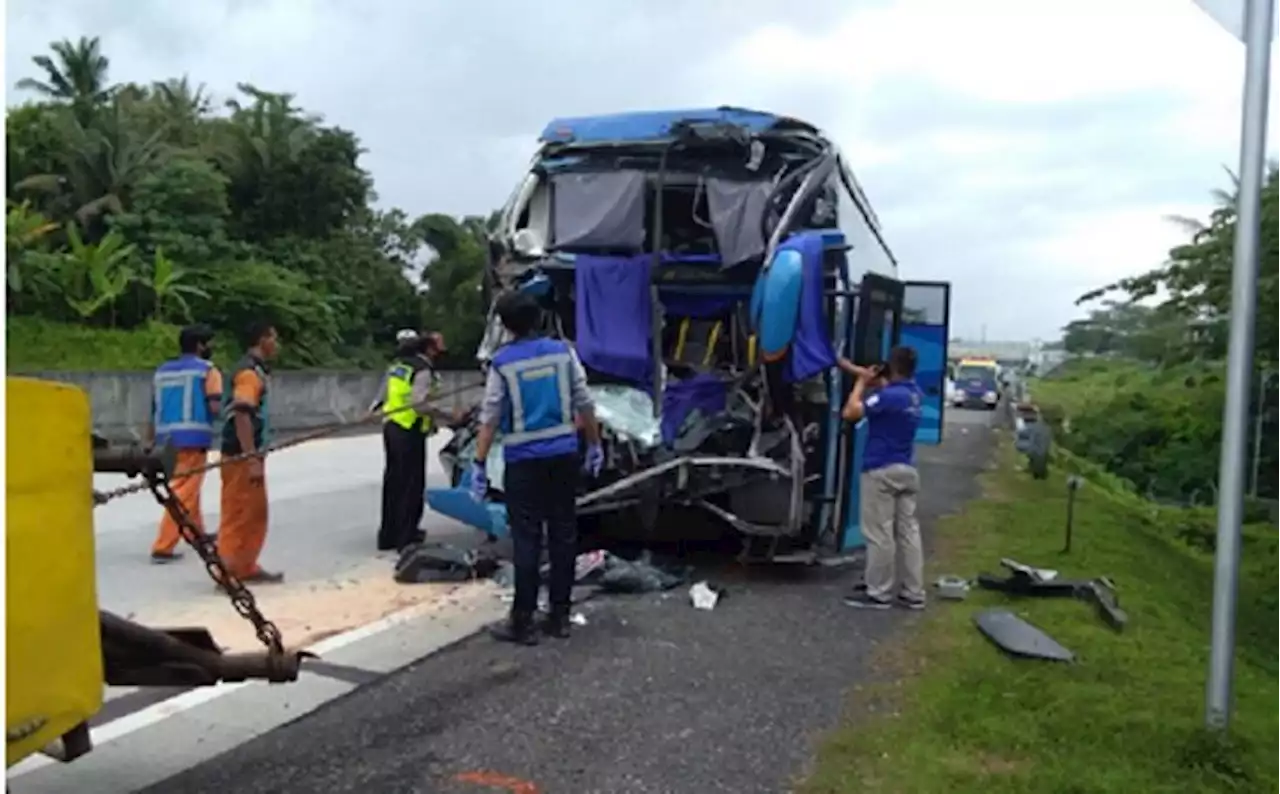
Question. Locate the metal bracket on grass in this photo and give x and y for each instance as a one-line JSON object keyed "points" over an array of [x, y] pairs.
{"points": [[1100, 592]]}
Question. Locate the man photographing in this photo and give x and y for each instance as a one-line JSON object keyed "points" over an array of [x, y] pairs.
{"points": [[890, 401]]}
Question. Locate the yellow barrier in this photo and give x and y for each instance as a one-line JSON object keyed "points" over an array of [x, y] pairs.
{"points": [[53, 648]]}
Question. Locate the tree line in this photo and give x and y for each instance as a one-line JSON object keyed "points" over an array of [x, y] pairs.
{"points": [[1189, 319], [130, 204], [1159, 425]]}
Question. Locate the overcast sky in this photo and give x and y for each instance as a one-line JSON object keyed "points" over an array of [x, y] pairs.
{"points": [[1024, 150]]}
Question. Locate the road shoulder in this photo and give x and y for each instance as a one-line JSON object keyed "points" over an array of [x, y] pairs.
{"points": [[651, 695], [150, 746]]}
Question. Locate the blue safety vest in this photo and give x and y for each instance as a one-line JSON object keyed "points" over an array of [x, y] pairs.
{"points": [[537, 417], [180, 406]]}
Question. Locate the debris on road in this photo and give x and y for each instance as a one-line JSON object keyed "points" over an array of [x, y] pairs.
{"points": [[440, 562], [619, 575], [1015, 636], [703, 596]]}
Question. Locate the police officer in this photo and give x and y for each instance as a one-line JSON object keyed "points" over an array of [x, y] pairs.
{"points": [[534, 390], [186, 398], [410, 382]]}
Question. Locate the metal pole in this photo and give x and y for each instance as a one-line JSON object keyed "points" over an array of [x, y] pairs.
{"points": [[1235, 415]]}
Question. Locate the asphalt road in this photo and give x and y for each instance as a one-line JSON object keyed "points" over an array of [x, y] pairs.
{"points": [[650, 696], [325, 500]]}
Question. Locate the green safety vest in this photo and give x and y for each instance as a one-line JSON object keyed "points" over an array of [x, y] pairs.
{"points": [[259, 419], [400, 394]]}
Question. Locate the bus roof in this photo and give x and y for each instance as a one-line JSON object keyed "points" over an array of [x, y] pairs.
{"points": [[657, 125]]}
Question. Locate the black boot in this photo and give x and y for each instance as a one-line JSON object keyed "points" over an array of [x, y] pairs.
{"points": [[517, 628], [557, 623]]}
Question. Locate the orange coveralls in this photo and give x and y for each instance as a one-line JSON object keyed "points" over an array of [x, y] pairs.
{"points": [[187, 489], [243, 530]]}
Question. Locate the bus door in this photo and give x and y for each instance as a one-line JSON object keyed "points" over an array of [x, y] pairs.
{"points": [[926, 320], [876, 328], [877, 322]]}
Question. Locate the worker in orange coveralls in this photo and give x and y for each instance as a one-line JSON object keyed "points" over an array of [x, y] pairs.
{"points": [[244, 487], [186, 399]]}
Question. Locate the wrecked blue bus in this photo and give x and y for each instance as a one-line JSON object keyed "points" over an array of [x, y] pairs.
{"points": [[709, 266]]}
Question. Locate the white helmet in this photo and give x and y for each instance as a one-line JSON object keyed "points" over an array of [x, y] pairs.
{"points": [[405, 335]]}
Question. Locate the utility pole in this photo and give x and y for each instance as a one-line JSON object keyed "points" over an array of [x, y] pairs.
{"points": [[1257, 28]]}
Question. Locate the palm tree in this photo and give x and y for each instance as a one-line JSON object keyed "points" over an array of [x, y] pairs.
{"points": [[181, 105], [101, 165], [78, 76], [262, 134]]}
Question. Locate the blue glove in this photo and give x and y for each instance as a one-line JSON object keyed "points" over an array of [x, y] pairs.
{"points": [[595, 460], [479, 482]]}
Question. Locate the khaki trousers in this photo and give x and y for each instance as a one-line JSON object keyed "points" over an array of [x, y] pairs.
{"points": [[889, 525]]}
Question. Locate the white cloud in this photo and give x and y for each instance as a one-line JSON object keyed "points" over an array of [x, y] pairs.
{"points": [[1032, 144], [1031, 58]]}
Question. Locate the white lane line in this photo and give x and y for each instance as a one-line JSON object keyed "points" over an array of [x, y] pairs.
{"points": [[129, 723]]}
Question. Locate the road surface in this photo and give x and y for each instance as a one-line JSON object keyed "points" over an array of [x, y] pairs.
{"points": [[325, 499], [650, 695]]}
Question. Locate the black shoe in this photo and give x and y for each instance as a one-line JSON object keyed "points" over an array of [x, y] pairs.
{"points": [[517, 629], [160, 558], [557, 624], [860, 600]]}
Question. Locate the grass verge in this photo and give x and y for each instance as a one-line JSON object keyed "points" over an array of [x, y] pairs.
{"points": [[33, 344], [1126, 717]]}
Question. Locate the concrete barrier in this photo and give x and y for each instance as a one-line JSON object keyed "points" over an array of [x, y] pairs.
{"points": [[300, 400]]}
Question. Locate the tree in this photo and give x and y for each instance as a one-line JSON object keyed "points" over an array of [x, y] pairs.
{"points": [[1153, 426], [158, 206], [1197, 278], [78, 77]]}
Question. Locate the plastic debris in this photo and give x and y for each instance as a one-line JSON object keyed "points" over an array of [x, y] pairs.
{"points": [[952, 588], [703, 597], [636, 576]]}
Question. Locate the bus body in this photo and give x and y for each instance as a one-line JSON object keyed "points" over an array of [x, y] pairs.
{"points": [[709, 266], [977, 382]]}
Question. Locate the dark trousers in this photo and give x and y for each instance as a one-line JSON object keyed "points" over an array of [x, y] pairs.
{"points": [[538, 492], [404, 481]]}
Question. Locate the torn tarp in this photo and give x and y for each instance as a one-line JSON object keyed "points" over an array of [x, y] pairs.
{"points": [[599, 210]]}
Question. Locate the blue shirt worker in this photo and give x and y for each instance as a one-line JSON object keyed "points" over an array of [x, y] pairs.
{"points": [[186, 398], [890, 482], [535, 389]]}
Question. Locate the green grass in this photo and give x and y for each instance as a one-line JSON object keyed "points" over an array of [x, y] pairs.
{"points": [[1126, 717], [33, 344]]}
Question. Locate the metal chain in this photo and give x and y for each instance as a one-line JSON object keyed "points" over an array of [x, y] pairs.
{"points": [[242, 600], [103, 497]]}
